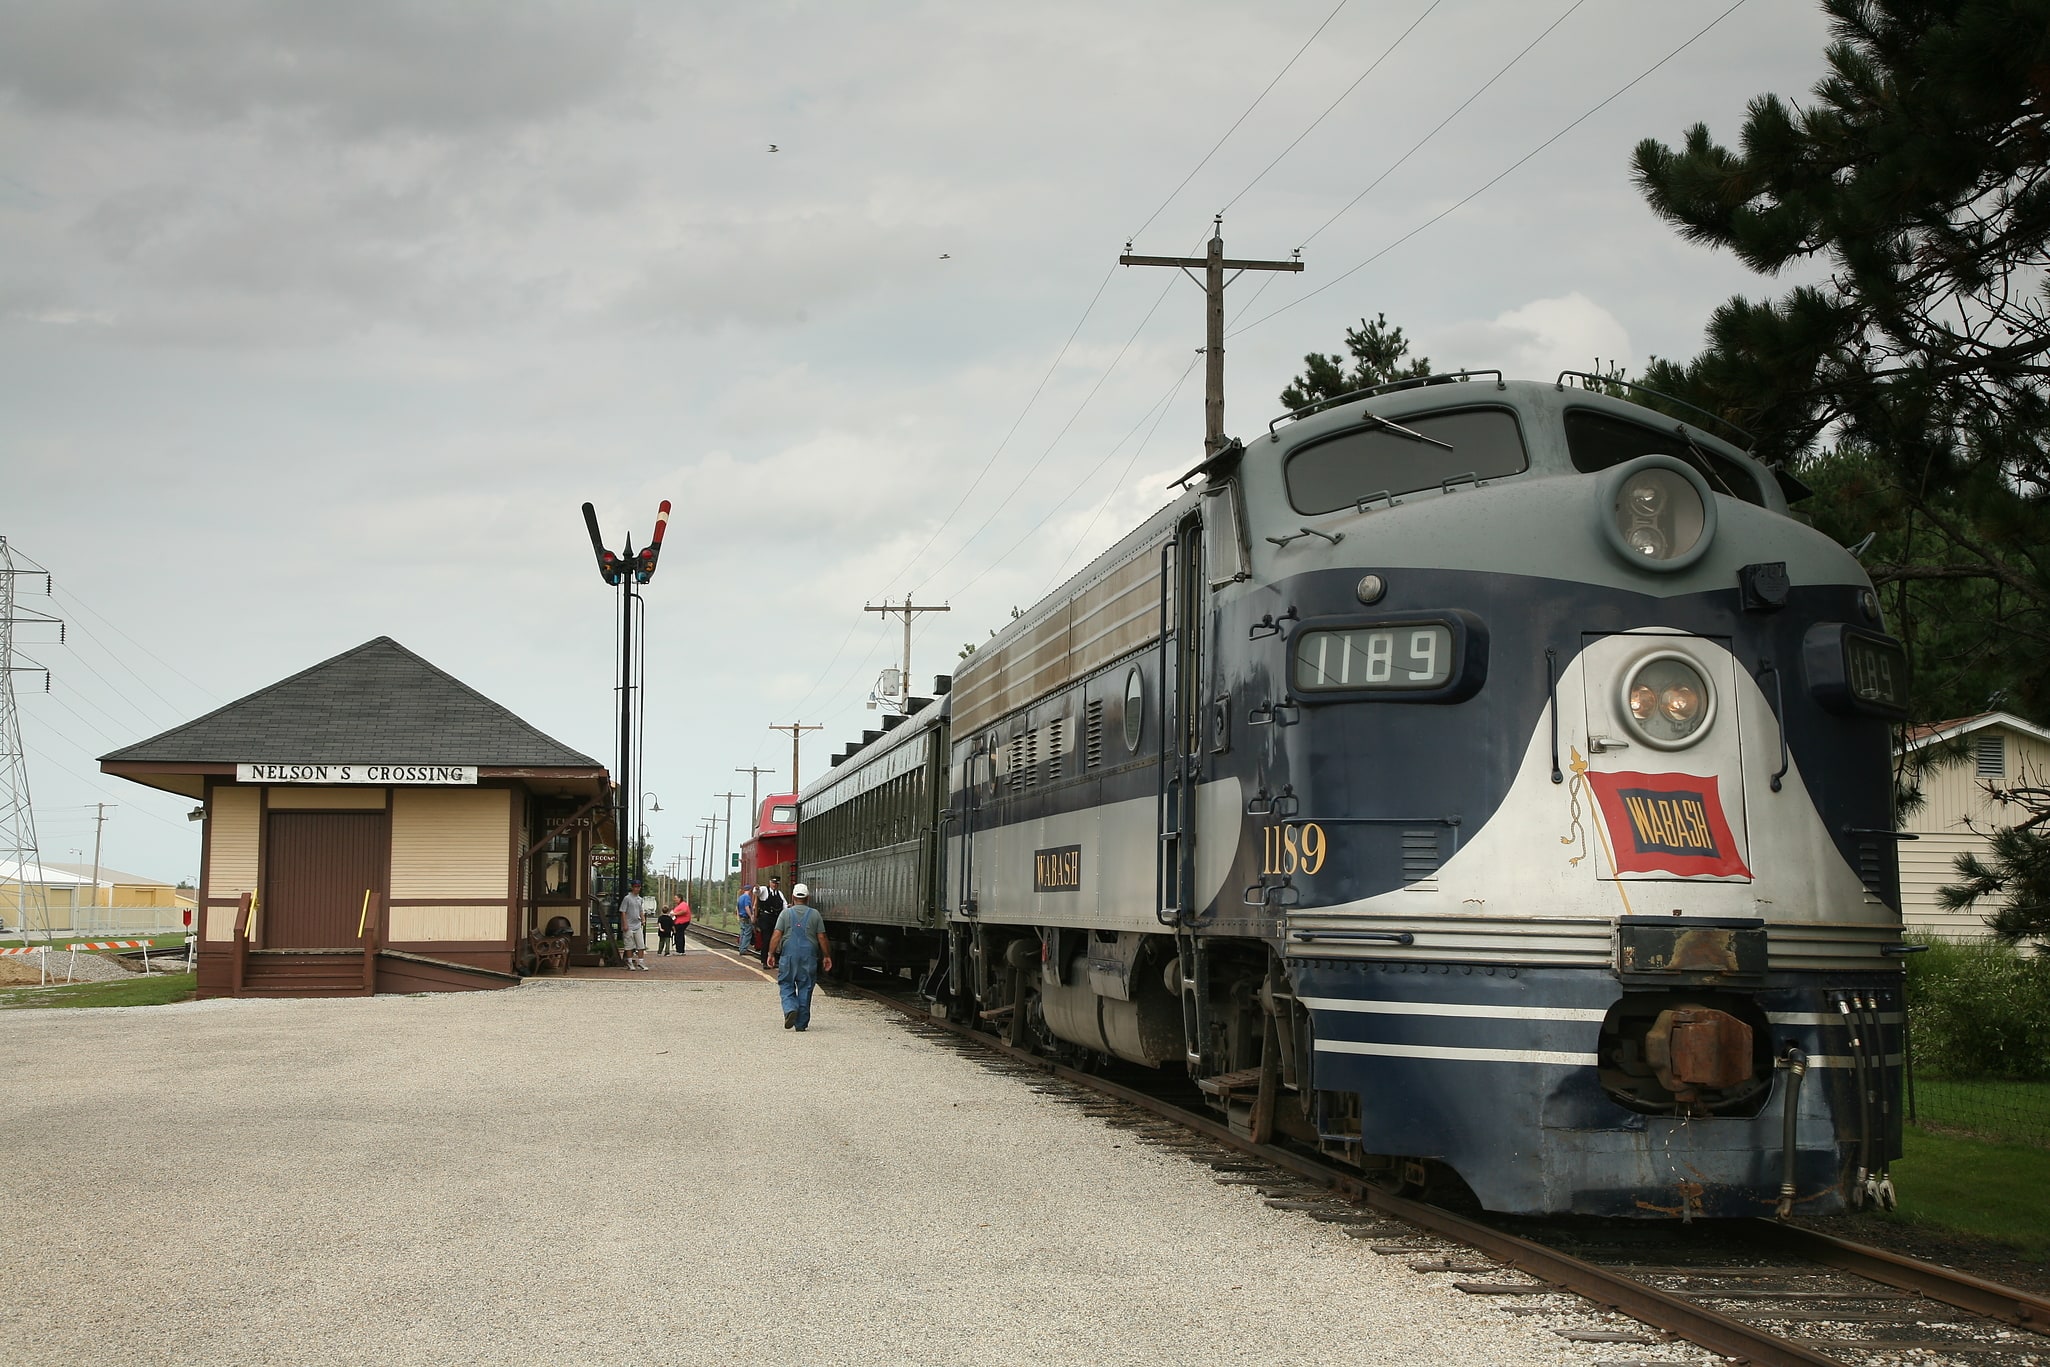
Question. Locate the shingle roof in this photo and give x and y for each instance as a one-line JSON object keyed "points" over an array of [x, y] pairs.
{"points": [[378, 702]]}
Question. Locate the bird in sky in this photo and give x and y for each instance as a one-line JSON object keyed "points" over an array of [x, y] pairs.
{"points": [[946, 256], [774, 148]]}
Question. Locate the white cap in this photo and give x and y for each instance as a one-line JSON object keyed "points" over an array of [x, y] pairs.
{"points": [[800, 891]]}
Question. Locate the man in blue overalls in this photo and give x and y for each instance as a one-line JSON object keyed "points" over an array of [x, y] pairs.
{"points": [[799, 952]]}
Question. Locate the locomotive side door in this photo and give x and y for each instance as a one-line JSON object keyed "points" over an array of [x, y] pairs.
{"points": [[1664, 763], [1181, 761], [1181, 718]]}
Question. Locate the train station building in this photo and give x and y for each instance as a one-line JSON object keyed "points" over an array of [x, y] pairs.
{"points": [[373, 824]]}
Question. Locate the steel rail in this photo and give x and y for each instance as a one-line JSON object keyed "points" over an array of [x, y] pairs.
{"points": [[1710, 1329], [2021, 1309]]}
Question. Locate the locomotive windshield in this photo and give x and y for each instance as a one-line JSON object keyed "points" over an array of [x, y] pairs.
{"points": [[1597, 441], [1384, 459]]}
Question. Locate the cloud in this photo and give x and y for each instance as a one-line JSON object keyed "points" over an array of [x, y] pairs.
{"points": [[364, 68], [1536, 341]]}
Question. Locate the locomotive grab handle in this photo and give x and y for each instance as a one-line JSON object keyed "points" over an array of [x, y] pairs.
{"points": [[1391, 937], [1269, 624], [1779, 716]]}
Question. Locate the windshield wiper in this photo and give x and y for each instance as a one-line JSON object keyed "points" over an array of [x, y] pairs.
{"points": [[1399, 430]]}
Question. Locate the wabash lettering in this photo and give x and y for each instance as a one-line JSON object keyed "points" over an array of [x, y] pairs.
{"points": [[1667, 824], [1670, 823], [1057, 870]]}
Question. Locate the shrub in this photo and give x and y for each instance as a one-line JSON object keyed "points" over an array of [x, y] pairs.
{"points": [[1979, 1009]]}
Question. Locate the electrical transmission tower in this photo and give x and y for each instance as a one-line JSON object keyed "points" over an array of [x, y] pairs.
{"points": [[17, 812]]}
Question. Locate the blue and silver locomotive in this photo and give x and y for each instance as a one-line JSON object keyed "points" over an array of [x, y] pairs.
{"points": [[1474, 775]]}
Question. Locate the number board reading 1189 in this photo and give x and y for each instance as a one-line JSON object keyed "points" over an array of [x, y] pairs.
{"points": [[1410, 655]]}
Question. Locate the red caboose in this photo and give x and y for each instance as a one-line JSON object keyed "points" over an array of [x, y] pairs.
{"points": [[772, 849]]}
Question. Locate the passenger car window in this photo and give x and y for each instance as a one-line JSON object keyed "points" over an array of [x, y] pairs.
{"points": [[1373, 459], [1597, 441]]}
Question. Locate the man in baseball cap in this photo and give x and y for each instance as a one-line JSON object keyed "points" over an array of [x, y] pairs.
{"points": [[799, 952]]}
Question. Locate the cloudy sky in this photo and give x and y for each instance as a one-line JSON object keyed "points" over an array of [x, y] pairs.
{"points": [[318, 322]]}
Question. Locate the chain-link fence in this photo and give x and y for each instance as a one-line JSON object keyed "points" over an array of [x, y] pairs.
{"points": [[1979, 1041]]}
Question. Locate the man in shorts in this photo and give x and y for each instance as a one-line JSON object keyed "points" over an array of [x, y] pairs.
{"points": [[633, 930]]}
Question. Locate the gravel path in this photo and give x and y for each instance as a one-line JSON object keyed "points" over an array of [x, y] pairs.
{"points": [[559, 1174]]}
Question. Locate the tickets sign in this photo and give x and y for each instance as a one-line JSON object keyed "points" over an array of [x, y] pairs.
{"points": [[1667, 823]]}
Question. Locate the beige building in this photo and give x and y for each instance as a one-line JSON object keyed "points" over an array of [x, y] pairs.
{"points": [[373, 824], [2001, 751], [120, 904]]}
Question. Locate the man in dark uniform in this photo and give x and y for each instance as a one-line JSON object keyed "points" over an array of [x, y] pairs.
{"points": [[770, 908]]}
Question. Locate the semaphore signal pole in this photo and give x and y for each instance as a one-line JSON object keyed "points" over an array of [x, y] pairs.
{"points": [[626, 572], [1213, 265]]}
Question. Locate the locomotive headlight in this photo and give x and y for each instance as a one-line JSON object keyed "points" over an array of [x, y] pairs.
{"points": [[1657, 512], [1667, 702]]}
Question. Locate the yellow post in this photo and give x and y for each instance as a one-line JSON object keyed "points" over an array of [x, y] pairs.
{"points": [[364, 919]]}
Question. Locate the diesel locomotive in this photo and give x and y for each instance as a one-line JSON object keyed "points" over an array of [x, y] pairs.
{"points": [[1469, 775]]}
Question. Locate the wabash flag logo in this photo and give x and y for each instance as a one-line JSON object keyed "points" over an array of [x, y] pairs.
{"points": [[1667, 823]]}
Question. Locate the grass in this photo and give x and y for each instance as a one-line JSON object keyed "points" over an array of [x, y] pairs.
{"points": [[157, 990], [1967, 1186], [2005, 1112]]}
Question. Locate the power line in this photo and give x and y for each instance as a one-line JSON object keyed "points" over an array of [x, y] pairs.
{"points": [[1502, 176], [991, 462], [1072, 417], [1418, 145], [1242, 118], [1156, 411], [1164, 406], [1386, 52], [71, 599]]}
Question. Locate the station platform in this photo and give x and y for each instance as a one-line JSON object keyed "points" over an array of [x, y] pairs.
{"points": [[700, 963]]}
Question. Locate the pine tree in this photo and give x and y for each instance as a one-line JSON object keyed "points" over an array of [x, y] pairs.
{"points": [[1912, 386], [1378, 354]]}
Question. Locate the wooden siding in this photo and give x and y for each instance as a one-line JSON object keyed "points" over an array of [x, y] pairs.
{"points": [[451, 843], [232, 835], [1955, 801], [1104, 619], [420, 925], [286, 797]]}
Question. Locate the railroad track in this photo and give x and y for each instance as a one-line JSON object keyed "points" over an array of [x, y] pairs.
{"points": [[1755, 1291]]}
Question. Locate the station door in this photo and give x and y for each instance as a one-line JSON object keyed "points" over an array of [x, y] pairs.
{"points": [[317, 866]]}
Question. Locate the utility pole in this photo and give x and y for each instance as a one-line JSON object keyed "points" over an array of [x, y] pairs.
{"points": [[754, 774], [726, 868], [690, 863], [909, 610], [711, 829], [99, 829], [796, 730], [1213, 266], [17, 813]]}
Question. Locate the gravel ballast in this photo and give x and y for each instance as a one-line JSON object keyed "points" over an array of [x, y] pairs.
{"points": [[587, 1172]]}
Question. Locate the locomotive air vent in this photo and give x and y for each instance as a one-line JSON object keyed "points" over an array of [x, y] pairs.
{"points": [[1032, 758], [1872, 869], [1420, 860], [1092, 734], [1056, 737]]}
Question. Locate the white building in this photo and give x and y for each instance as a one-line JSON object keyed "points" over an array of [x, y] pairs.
{"points": [[2002, 751]]}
